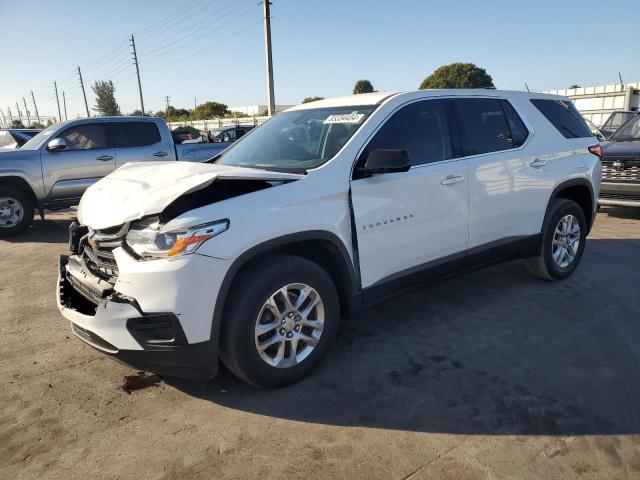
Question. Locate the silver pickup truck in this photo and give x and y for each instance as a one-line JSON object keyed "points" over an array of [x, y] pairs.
{"points": [[54, 168]]}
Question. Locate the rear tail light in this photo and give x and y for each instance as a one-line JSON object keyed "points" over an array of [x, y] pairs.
{"points": [[597, 151]]}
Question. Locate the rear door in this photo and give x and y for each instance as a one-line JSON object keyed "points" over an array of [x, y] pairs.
{"points": [[509, 184], [406, 221], [87, 158], [139, 142]]}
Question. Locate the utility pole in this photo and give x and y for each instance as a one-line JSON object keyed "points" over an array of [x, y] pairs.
{"points": [[55, 87], [19, 113], [620, 77], [167, 99], [526, 86], [64, 102], [86, 106], [35, 107], [10, 116], [271, 101], [26, 110], [135, 61], [4, 119]]}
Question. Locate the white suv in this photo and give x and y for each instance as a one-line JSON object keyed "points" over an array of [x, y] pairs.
{"points": [[331, 205]]}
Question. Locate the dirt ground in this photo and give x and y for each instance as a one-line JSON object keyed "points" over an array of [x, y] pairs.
{"points": [[489, 375]]}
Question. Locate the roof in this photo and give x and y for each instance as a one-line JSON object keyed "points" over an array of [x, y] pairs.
{"points": [[379, 97]]}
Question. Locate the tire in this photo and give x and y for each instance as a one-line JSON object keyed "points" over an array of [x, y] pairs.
{"points": [[547, 266], [257, 299], [16, 210]]}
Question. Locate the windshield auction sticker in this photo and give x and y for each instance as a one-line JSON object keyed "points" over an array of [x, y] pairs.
{"points": [[353, 117]]}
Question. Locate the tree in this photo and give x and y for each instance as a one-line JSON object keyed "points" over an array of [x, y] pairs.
{"points": [[458, 75], [105, 98], [312, 99], [209, 110], [139, 113], [17, 124], [575, 85], [362, 86]]}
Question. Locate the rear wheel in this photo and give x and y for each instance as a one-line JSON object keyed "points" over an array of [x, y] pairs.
{"points": [[280, 320], [563, 240], [16, 211]]}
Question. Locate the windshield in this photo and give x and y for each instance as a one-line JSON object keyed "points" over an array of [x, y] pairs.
{"points": [[36, 141], [297, 141], [629, 132]]}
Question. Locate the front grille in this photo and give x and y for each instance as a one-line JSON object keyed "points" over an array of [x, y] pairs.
{"points": [[630, 172], [97, 251]]}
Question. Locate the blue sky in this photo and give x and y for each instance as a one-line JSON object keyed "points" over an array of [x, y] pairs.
{"points": [[320, 47]]}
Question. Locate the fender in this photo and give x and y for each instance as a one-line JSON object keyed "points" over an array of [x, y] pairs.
{"points": [[276, 244], [583, 182]]}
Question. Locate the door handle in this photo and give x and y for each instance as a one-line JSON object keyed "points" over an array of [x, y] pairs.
{"points": [[160, 154], [105, 158], [538, 163], [451, 179]]}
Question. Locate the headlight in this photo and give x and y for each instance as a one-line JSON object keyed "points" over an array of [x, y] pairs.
{"points": [[148, 242]]}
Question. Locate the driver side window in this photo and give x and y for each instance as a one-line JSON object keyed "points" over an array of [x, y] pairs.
{"points": [[420, 128], [85, 137]]}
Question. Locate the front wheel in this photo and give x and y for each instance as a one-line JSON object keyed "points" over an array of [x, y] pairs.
{"points": [[281, 317], [563, 239], [16, 211]]}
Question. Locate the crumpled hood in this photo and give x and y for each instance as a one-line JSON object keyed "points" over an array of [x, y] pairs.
{"points": [[136, 190]]}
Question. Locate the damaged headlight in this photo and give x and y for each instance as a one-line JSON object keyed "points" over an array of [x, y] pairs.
{"points": [[148, 242]]}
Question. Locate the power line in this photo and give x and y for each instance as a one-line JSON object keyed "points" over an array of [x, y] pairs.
{"points": [[208, 47], [189, 11], [180, 46]]}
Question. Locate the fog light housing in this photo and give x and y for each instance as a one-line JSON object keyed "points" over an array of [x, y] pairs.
{"points": [[157, 331]]}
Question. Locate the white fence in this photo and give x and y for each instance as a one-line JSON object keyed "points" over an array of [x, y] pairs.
{"points": [[204, 125]]}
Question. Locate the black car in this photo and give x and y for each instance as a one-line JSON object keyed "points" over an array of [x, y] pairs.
{"points": [[615, 121], [621, 166]]}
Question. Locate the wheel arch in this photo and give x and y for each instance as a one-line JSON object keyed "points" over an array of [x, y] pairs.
{"points": [[321, 247], [19, 182], [580, 191]]}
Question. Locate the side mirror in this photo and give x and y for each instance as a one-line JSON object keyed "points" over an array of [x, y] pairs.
{"points": [[56, 144], [386, 161]]}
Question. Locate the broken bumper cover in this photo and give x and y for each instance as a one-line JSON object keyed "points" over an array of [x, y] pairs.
{"points": [[154, 342]]}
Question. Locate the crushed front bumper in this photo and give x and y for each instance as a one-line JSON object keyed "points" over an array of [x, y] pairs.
{"points": [[117, 326]]}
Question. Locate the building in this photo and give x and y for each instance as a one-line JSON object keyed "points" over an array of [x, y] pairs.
{"points": [[597, 103], [256, 110]]}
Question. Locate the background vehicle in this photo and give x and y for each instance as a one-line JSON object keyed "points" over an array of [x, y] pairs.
{"points": [[53, 169], [222, 135], [16, 137], [615, 121], [621, 166], [595, 131], [325, 207]]}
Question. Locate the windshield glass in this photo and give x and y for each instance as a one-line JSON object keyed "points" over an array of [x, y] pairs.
{"points": [[297, 141], [36, 141], [629, 132]]}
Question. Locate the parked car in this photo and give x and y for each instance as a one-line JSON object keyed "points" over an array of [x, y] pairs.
{"points": [[595, 131], [621, 166], [222, 135], [615, 121], [12, 138], [326, 207], [53, 169]]}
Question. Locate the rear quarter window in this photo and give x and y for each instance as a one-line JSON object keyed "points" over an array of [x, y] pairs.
{"points": [[564, 117]]}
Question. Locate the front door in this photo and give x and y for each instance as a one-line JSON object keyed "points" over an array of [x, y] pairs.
{"points": [[411, 220], [87, 158]]}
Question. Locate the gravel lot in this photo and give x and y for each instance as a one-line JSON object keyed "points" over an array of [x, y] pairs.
{"points": [[489, 375]]}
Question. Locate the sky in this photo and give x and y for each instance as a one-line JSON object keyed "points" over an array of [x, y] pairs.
{"points": [[213, 50]]}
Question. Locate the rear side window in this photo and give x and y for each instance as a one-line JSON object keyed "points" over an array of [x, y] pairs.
{"points": [[564, 116], [484, 124], [136, 134], [420, 128]]}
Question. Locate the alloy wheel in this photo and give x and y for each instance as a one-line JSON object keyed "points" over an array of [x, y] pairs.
{"points": [[289, 325], [566, 241]]}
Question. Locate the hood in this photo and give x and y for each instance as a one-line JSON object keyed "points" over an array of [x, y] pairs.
{"points": [[16, 154], [136, 190]]}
